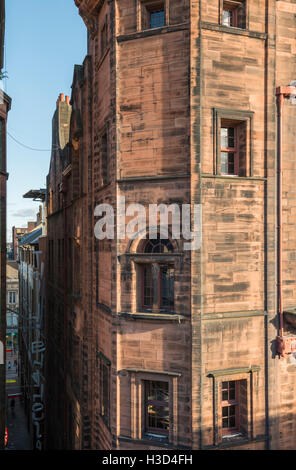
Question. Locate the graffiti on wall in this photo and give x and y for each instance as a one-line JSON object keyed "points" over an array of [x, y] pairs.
{"points": [[37, 354]]}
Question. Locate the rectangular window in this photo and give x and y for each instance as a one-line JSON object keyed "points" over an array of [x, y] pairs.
{"points": [[234, 407], [233, 142], [157, 19], [229, 151], [153, 14], [161, 280], [234, 14], [105, 390], [230, 407], [147, 287], [105, 164], [104, 38], [12, 297], [157, 414], [167, 288]]}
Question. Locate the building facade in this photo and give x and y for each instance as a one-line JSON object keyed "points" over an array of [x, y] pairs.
{"points": [[158, 346], [5, 104], [32, 344], [17, 234], [69, 336], [12, 304]]}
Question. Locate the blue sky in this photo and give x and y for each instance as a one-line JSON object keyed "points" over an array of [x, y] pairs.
{"points": [[44, 39]]}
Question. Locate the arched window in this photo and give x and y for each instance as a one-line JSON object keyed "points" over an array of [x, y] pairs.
{"points": [[158, 246], [157, 277]]}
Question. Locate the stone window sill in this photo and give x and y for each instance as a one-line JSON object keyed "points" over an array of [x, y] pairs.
{"points": [[153, 316], [152, 32], [233, 30]]}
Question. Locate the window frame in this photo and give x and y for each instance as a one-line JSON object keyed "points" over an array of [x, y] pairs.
{"points": [[237, 117], [228, 403], [145, 8], [251, 376], [137, 401], [105, 363], [156, 282], [230, 150], [12, 293], [234, 5], [105, 170], [230, 8], [104, 37], [153, 21], [147, 429], [143, 268]]}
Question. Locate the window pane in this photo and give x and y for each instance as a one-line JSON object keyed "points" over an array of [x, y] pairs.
{"points": [[158, 417], [227, 137], [231, 394], [225, 423], [232, 410], [224, 162], [224, 137], [225, 411], [157, 391], [157, 19], [156, 404], [105, 392], [167, 287], [225, 395], [231, 132], [232, 422], [231, 390], [228, 17], [230, 158], [158, 246], [147, 286], [231, 143]]}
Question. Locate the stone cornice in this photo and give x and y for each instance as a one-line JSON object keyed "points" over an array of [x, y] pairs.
{"points": [[89, 10]]}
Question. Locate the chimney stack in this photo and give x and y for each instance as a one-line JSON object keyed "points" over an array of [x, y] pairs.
{"points": [[61, 98]]}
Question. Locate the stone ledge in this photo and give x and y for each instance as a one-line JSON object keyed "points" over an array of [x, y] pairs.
{"points": [[230, 315], [152, 32], [232, 30], [234, 178], [153, 316], [229, 443], [152, 442], [132, 179], [238, 370], [149, 371]]}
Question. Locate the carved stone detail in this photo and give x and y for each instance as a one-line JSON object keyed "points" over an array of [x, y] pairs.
{"points": [[89, 10]]}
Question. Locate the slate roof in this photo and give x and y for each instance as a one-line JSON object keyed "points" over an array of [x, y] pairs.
{"points": [[32, 237]]}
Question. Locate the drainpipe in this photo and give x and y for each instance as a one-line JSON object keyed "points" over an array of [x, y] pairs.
{"points": [[282, 93], [280, 104]]}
